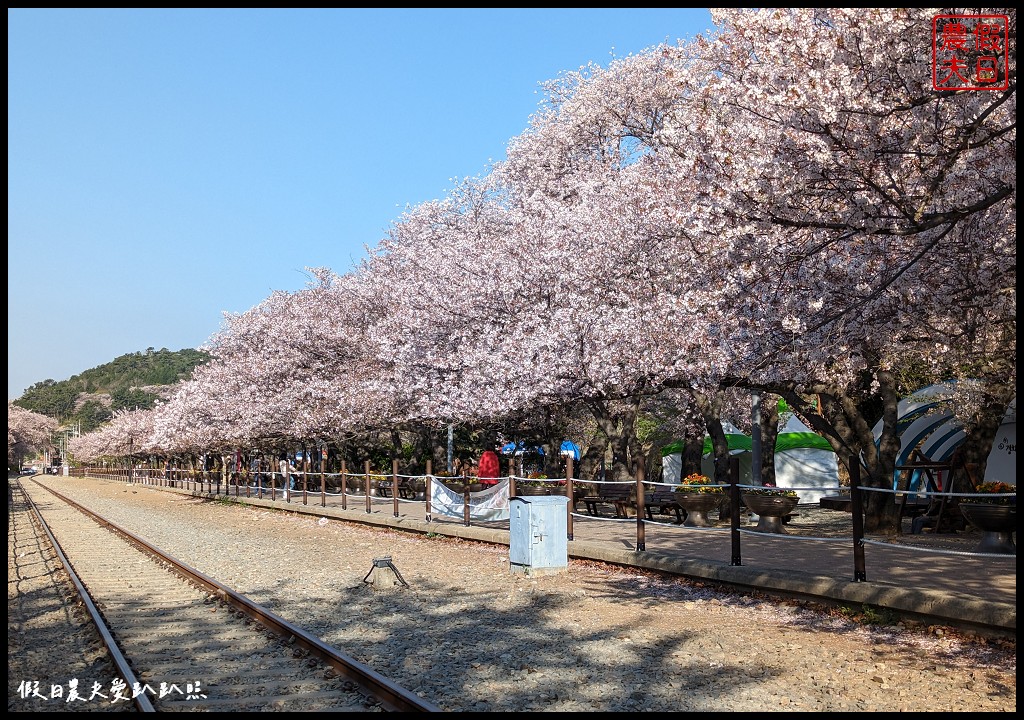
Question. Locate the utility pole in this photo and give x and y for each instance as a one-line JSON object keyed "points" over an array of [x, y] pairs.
{"points": [[71, 432]]}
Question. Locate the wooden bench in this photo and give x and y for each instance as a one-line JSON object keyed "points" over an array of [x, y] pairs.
{"points": [[412, 488], [384, 488], [618, 495], [843, 503], [665, 502], [941, 510], [407, 488]]}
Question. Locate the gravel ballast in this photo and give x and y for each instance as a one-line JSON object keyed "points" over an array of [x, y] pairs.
{"points": [[467, 634]]}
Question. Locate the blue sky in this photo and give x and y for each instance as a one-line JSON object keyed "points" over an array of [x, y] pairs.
{"points": [[165, 166]]}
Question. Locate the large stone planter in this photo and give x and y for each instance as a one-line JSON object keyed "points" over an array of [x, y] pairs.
{"points": [[417, 489], [770, 509], [524, 490], [461, 487], [997, 524], [697, 507]]}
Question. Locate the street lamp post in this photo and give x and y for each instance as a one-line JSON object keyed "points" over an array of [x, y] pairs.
{"points": [[451, 442]]}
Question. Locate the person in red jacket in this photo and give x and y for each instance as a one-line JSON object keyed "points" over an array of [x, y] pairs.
{"points": [[489, 468]]}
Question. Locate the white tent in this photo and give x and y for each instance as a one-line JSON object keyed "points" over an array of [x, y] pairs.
{"points": [[803, 461], [1002, 460], [739, 446], [671, 466]]}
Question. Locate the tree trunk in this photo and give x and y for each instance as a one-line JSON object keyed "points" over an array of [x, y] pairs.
{"points": [[769, 426], [838, 415], [653, 463], [590, 463], [693, 453], [396, 445], [710, 407], [617, 426]]}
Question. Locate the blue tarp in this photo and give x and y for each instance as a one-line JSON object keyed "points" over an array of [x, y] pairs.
{"points": [[570, 448], [520, 448]]}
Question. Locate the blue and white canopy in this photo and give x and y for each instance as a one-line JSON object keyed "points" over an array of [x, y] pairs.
{"points": [[926, 423], [521, 448], [570, 448]]}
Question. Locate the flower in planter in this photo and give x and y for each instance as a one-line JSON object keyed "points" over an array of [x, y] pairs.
{"points": [[536, 479], [373, 480], [698, 484], [771, 491], [998, 490]]}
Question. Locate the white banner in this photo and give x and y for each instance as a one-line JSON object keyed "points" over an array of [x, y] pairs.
{"points": [[489, 504]]}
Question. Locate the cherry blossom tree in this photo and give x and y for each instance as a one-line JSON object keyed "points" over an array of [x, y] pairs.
{"points": [[128, 435], [835, 198], [890, 205], [786, 205], [27, 432], [496, 317]]}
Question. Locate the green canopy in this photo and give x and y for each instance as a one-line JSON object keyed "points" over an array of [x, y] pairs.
{"points": [[793, 440], [736, 442], [784, 441]]}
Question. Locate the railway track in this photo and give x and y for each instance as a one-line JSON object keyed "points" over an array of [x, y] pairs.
{"points": [[184, 642]]}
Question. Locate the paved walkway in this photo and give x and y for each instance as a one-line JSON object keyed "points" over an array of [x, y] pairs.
{"points": [[961, 588]]}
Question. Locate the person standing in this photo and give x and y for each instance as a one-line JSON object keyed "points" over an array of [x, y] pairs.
{"points": [[254, 467], [285, 475], [490, 468]]}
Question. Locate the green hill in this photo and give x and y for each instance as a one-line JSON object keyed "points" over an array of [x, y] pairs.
{"points": [[130, 381]]}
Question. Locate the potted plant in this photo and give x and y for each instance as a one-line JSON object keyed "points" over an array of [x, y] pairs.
{"points": [[536, 483], [363, 484], [417, 488], [697, 484], [458, 483], [380, 485], [770, 504], [698, 495], [992, 509], [771, 491], [992, 493]]}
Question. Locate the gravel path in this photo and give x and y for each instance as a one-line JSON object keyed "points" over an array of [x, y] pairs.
{"points": [[469, 635]]}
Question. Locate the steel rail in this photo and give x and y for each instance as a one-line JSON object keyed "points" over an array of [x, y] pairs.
{"points": [[118, 658], [389, 694]]}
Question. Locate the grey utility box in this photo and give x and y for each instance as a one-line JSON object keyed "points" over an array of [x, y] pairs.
{"points": [[538, 543]]}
